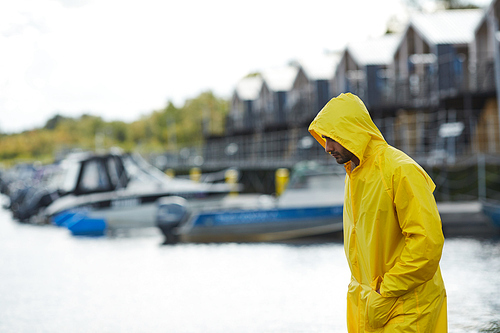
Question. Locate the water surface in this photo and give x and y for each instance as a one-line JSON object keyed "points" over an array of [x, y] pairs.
{"points": [[54, 282]]}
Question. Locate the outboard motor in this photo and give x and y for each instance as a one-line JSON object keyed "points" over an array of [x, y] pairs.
{"points": [[172, 211], [31, 206]]}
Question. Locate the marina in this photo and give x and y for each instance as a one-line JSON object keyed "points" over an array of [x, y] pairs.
{"points": [[102, 194], [55, 282], [197, 228]]}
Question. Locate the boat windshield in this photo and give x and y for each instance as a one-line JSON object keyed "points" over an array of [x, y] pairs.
{"points": [[116, 172], [65, 179], [94, 178], [318, 181], [139, 169], [314, 185]]}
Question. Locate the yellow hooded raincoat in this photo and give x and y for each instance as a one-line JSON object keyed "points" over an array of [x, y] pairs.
{"points": [[393, 237]]}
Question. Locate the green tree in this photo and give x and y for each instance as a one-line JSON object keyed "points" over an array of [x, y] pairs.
{"points": [[52, 123], [169, 128]]}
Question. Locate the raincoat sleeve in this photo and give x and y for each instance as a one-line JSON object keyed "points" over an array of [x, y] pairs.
{"points": [[420, 223]]}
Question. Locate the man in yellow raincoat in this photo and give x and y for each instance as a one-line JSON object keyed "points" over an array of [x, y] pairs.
{"points": [[393, 237]]}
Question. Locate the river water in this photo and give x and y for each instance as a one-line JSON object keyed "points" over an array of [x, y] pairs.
{"points": [[51, 281]]}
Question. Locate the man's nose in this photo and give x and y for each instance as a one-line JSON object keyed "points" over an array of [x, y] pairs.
{"points": [[328, 147]]}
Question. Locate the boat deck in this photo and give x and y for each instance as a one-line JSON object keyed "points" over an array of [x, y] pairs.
{"points": [[465, 219]]}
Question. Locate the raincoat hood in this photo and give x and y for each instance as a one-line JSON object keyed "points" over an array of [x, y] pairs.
{"points": [[346, 120]]}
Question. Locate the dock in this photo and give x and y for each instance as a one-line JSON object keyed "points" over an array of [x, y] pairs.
{"points": [[466, 219]]}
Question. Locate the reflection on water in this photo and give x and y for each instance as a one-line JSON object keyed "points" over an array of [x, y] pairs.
{"points": [[53, 282], [471, 271]]}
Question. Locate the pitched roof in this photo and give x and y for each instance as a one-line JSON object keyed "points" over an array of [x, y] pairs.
{"points": [[374, 51], [447, 26], [489, 9], [320, 67], [248, 88], [280, 78]]}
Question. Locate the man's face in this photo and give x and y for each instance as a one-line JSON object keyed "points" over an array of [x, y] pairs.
{"points": [[334, 148]]}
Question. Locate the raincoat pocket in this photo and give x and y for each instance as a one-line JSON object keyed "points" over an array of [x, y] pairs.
{"points": [[381, 311]]}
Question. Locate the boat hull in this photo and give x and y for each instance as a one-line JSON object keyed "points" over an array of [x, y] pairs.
{"points": [[122, 210], [492, 210], [261, 225]]}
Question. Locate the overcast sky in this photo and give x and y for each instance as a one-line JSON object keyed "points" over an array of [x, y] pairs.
{"points": [[122, 59]]}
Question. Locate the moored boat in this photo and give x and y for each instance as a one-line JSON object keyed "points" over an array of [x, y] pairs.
{"points": [[122, 189], [311, 205], [492, 210]]}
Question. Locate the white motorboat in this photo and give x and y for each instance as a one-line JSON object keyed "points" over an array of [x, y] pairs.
{"points": [[121, 189]]}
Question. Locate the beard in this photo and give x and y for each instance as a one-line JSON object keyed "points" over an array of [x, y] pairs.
{"points": [[342, 157]]}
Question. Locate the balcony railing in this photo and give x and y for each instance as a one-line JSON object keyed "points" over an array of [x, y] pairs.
{"points": [[446, 136]]}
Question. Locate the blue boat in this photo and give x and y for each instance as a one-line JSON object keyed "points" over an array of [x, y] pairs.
{"points": [[492, 210], [261, 225], [311, 205]]}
